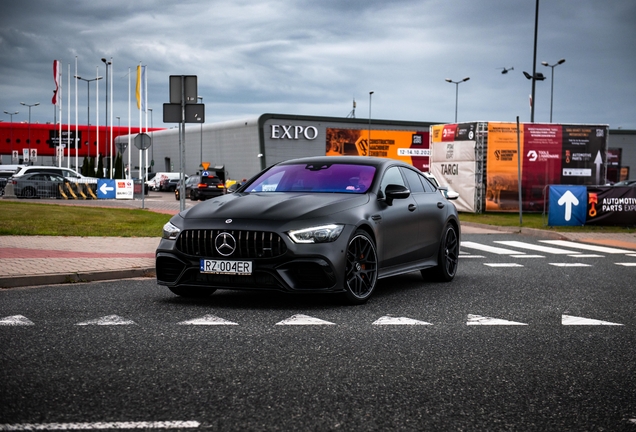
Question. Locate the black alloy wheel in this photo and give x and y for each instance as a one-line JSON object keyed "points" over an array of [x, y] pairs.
{"points": [[448, 258], [361, 272], [28, 192]]}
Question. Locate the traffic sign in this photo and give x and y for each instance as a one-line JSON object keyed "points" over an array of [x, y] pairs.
{"points": [[568, 205], [106, 189]]}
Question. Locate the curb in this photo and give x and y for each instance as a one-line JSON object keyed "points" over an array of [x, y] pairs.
{"points": [[75, 277]]}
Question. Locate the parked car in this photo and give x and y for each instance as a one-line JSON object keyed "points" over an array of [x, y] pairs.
{"points": [[155, 183], [67, 173], [199, 187], [448, 192], [38, 185], [169, 185], [324, 225], [625, 183]]}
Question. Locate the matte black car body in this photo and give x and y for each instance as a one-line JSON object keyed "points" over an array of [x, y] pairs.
{"points": [[400, 224]]}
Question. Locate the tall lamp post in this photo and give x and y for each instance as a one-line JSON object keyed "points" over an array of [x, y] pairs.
{"points": [[11, 114], [30, 105], [201, 156], [544, 63], [88, 112], [369, 144], [152, 148], [109, 139], [457, 83]]}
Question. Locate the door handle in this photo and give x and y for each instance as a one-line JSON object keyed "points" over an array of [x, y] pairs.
{"points": [[440, 205], [412, 207]]}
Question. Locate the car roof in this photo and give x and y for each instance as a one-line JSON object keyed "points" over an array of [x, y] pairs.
{"points": [[377, 162]]}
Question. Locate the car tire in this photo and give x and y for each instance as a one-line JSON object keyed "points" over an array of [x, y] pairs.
{"points": [[29, 192], [448, 257], [192, 292], [192, 197], [361, 272]]}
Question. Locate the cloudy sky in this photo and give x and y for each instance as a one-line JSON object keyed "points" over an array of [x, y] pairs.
{"points": [[314, 57]]}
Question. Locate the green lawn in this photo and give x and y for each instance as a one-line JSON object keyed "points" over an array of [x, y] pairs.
{"points": [[19, 218]]}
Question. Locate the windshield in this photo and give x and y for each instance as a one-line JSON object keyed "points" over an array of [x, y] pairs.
{"points": [[342, 178]]}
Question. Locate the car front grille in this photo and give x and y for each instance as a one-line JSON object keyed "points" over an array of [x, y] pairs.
{"points": [[249, 244]]}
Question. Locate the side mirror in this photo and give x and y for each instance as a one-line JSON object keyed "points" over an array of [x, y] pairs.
{"points": [[449, 194], [393, 192]]}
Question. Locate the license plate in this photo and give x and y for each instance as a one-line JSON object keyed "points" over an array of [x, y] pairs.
{"points": [[226, 267]]}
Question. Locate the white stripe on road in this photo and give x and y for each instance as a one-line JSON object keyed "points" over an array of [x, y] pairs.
{"points": [[301, 319], [486, 248], [389, 320], [629, 264], [570, 265], [482, 320], [572, 320], [503, 265], [108, 320], [16, 320], [208, 320], [544, 249], [595, 248], [100, 425]]}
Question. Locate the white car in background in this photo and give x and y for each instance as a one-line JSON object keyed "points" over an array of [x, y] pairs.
{"points": [[448, 192], [67, 173]]}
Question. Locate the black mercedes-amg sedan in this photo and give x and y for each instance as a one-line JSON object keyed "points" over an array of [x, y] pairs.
{"points": [[327, 224]]}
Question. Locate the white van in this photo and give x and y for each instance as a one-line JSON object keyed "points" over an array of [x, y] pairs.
{"points": [[155, 183]]}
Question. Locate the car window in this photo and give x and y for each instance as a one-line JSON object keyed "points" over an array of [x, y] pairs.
{"points": [[413, 178], [392, 176], [324, 178]]}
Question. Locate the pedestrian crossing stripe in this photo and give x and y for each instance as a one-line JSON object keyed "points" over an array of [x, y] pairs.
{"points": [[534, 247], [301, 319], [585, 246], [16, 320], [487, 248], [503, 265], [208, 320], [627, 264], [570, 265], [572, 320], [390, 320], [482, 320], [107, 321]]}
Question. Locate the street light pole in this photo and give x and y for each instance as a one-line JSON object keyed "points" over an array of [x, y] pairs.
{"points": [[544, 63], [201, 156], [30, 105], [11, 114], [110, 159], [457, 83], [88, 112], [369, 143]]}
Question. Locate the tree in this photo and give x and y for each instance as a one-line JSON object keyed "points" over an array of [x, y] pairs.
{"points": [[100, 166]]}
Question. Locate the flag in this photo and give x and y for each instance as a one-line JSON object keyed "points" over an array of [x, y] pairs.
{"points": [[56, 73], [141, 87]]}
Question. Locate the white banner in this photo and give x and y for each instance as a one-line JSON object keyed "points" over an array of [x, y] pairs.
{"points": [[453, 164]]}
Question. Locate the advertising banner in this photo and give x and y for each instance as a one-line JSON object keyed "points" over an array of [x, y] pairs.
{"points": [[611, 205], [584, 154], [453, 164], [502, 167], [411, 147]]}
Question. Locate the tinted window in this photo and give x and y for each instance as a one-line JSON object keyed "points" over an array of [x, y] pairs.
{"points": [[392, 176], [428, 185], [415, 184]]}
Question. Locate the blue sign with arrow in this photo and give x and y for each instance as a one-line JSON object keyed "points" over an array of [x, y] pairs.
{"points": [[568, 205], [106, 189]]}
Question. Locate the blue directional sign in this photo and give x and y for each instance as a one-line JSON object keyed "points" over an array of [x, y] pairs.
{"points": [[568, 205], [106, 189]]}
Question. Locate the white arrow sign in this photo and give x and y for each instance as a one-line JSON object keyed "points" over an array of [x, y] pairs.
{"points": [[568, 199], [104, 189], [598, 162]]}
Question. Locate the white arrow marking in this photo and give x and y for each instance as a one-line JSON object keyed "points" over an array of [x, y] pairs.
{"points": [[208, 320], [568, 199], [572, 320], [304, 320], [598, 161], [389, 320], [481, 320], [103, 188], [108, 320], [16, 320]]}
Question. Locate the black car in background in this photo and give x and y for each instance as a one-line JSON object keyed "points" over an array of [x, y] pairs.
{"points": [[198, 187], [38, 185], [321, 225]]}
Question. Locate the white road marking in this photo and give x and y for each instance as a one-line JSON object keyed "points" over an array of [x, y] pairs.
{"points": [[570, 265], [482, 320], [629, 264], [208, 320], [527, 256], [16, 320], [530, 246], [587, 256], [100, 425], [108, 320], [503, 265], [301, 319], [389, 320], [471, 256], [572, 320], [585, 246], [486, 248], [631, 255]]}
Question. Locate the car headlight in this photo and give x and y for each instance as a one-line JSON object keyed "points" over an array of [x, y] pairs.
{"points": [[170, 232], [319, 234]]}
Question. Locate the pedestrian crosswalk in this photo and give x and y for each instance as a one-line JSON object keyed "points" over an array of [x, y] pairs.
{"points": [[520, 250], [307, 320]]}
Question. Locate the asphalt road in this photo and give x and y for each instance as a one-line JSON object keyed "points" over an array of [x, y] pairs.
{"points": [[529, 341]]}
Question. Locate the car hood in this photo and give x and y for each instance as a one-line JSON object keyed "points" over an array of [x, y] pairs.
{"points": [[275, 206]]}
